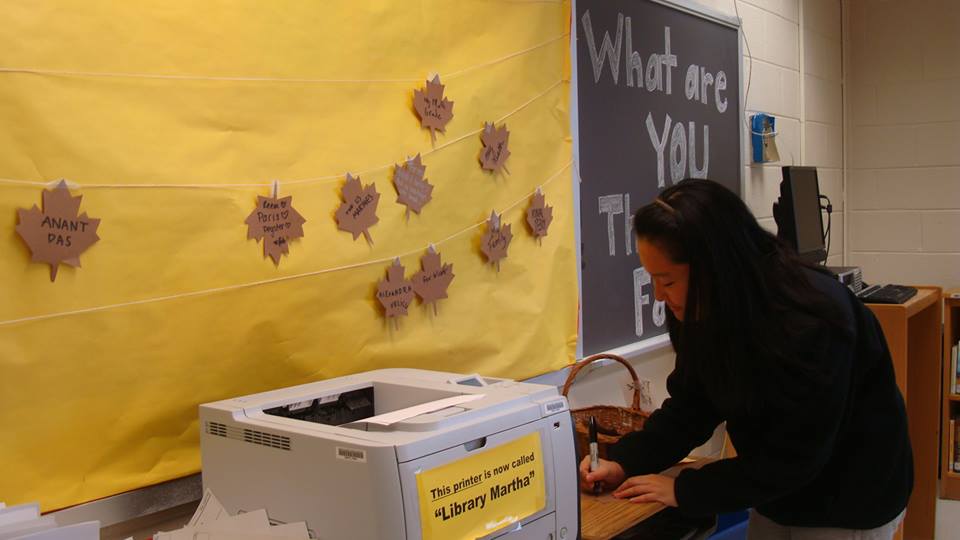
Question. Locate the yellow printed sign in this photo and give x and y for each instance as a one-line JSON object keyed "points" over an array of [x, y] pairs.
{"points": [[480, 494]]}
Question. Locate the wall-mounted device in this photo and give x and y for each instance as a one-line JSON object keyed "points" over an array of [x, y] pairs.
{"points": [[763, 136]]}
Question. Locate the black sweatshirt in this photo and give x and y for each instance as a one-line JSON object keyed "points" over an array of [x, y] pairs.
{"points": [[841, 457]]}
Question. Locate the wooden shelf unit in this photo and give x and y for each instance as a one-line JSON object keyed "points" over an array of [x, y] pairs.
{"points": [[949, 481], [913, 335]]}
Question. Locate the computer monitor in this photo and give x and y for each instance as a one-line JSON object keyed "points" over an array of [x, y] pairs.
{"points": [[797, 213]]}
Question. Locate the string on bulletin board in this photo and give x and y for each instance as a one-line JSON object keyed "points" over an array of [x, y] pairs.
{"points": [[216, 290], [324, 179], [451, 75]]}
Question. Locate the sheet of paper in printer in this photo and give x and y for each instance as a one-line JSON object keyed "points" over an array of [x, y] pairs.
{"points": [[431, 406], [211, 521]]}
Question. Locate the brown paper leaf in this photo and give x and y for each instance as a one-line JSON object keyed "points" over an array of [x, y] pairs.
{"points": [[276, 223], [539, 216], [57, 235], [433, 109], [431, 283], [395, 293], [496, 240], [358, 212], [495, 147], [413, 190]]}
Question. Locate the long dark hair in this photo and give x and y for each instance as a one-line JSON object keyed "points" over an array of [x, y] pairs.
{"points": [[750, 303]]}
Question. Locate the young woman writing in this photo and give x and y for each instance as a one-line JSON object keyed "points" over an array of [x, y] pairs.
{"points": [[791, 360]]}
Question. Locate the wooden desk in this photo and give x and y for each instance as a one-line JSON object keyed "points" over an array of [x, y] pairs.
{"points": [[912, 330], [602, 517]]}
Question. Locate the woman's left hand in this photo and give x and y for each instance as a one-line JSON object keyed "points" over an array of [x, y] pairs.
{"points": [[647, 488]]}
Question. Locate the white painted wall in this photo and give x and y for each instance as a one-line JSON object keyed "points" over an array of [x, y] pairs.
{"points": [[904, 151], [796, 51], [904, 138], [796, 76]]}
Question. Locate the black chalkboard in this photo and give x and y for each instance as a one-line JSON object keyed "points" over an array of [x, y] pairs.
{"points": [[650, 76]]}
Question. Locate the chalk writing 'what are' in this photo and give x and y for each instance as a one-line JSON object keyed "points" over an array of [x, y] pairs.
{"points": [[658, 76]]}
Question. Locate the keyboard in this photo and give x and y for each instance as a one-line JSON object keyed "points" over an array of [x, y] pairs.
{"points": [[887, 294]]}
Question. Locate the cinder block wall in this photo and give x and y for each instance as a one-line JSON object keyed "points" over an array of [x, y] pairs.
{"points": [[904, 139], [796, 52]]}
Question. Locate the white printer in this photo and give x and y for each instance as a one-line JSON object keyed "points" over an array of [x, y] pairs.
{"points": [[399, 454]]}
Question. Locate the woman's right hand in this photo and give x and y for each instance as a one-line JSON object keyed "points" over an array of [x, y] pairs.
{"points": [[609, 473]]}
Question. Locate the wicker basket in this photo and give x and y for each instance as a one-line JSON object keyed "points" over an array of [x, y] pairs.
{"points": [[612, 422]]}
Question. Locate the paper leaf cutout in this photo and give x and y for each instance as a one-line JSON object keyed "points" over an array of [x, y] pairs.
{"points": [[358, 212], [275, 222], [413, 190], [495, 151], [539, 215], [496, 240], [433, 109], [431, 283], [395, 293], [57, 235]]}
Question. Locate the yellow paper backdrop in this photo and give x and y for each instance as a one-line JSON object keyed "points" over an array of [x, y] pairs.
{"points": [[101, 372]]}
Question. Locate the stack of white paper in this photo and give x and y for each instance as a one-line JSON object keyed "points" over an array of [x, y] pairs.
{"points": [[211, 521], [88, 530], [24, 522]]}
